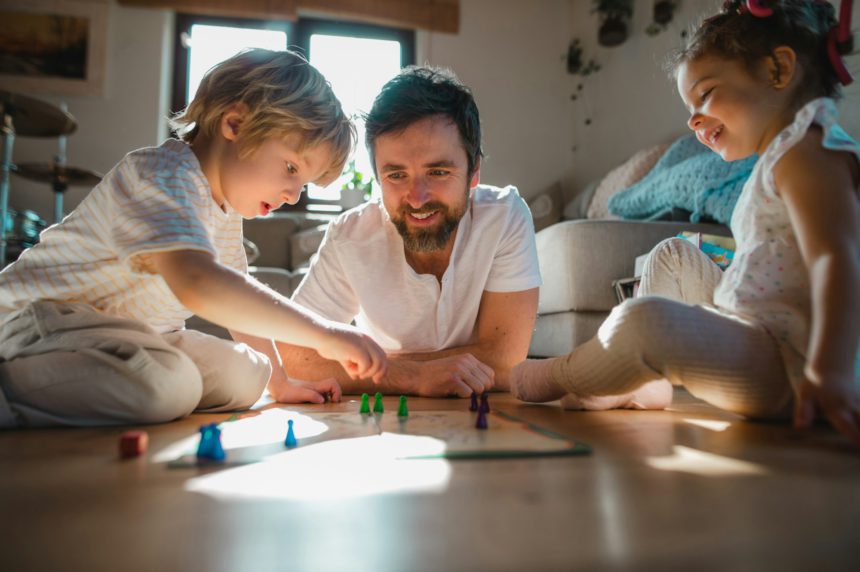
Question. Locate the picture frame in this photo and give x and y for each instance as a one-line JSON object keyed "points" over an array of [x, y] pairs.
{"points": [[53, 47]]}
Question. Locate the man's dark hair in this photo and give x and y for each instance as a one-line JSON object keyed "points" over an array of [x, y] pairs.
{"points": [[419, 92]]}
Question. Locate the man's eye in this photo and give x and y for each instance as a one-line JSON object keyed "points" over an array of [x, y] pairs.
{"points": [[396, 176], [438, 173]]}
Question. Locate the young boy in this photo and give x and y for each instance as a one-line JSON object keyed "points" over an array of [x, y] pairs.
{"points": [[92, 318]]}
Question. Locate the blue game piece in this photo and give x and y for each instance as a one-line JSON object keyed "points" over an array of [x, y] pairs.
{"points": [[474, 405], [217, 452], [485, 404], [481, 423], [290, 441], [204, 448]]}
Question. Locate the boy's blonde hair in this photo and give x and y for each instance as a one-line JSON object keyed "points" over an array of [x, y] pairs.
{"points": [[282, 94]]}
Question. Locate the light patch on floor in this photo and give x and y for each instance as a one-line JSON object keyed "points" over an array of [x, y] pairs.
{"points": [[686, 460]]}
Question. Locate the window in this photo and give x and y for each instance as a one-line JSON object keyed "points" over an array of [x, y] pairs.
{"points": [[356, 58]]}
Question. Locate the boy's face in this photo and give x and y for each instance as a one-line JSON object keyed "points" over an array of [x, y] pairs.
{"points": [[273, 174], [731, 109], [424, 176]]}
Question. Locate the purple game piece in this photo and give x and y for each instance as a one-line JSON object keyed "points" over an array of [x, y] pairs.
{"points": [[482, 420], [474, 405], [485, 404]]}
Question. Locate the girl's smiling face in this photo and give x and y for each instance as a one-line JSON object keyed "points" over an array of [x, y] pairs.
{"points": [[734, 111]]}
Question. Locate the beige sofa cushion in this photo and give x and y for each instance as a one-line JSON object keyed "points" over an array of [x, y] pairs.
{"points": [[622, 177]]}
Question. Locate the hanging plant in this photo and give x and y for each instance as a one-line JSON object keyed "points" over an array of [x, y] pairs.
{"points": [[614, 18], [664, 12]]}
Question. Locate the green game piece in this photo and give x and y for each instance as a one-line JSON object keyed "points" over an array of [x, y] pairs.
{"points": [[377, 403], [365, 403], [402, 411]]}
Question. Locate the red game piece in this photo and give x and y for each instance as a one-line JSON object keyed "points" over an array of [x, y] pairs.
{"points": [[133, 444]]}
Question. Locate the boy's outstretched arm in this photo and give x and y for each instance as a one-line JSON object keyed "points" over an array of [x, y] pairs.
{"points": [[239, 303], [819, 188]]}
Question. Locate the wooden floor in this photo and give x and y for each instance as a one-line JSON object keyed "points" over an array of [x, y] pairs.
{"points": [[689, 489]]}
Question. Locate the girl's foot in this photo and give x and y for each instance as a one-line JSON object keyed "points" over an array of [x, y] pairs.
{"points": [[653, 395]]}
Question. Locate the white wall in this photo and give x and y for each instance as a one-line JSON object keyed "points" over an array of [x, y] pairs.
{"points": [[631, 102], [128, 116], [509, 52]]}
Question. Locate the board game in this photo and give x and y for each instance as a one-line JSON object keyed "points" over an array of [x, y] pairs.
{"points": [[420, 435]]}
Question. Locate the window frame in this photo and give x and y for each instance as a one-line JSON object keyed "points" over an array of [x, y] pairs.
{"points": [[299, 34]]}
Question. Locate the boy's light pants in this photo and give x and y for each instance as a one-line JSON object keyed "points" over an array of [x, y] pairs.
{"points": [[68, 364]]}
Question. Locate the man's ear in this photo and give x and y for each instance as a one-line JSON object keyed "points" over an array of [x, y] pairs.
{"points": [[782, 67], [476, 176], [231, 121]]}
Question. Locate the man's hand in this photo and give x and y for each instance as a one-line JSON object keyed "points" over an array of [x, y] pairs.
{"points": [[458, 375], [359, 355], [839, 401], [289, 390]]}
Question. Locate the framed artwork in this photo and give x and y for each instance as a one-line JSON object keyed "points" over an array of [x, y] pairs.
{"points": [[53, 46]]}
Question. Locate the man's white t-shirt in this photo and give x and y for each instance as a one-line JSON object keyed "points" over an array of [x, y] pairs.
{"points": [[360, 273]]}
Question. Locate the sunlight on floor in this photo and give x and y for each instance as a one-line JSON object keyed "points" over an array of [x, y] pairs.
{"points": [[711, 424], [332, 470], [686, 460], [344, 467]]}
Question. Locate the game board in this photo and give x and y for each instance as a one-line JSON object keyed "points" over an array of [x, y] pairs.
{"points": [[421, 435]]}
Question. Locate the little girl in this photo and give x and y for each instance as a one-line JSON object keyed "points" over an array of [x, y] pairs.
{"points": [[782, 331]]}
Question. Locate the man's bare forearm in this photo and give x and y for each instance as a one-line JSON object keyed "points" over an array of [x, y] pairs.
{"points": [[305, 363], [404, 370], [501, 364]]}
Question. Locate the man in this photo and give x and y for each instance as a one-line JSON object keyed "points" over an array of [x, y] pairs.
{"points": [[442, 272]]}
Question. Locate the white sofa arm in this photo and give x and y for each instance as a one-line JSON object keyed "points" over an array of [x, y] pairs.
{"points": [[579, 259]]}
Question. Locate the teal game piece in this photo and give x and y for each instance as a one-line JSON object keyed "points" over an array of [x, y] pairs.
{"points": [[365, 403], [290, 441], [377, 403], [401, 410]]}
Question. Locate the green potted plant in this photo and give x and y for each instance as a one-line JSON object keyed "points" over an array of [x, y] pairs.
{"points": [[356, 189], [614, 17]]}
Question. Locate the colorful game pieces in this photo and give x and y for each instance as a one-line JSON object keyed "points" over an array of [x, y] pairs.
{"points": [[365, 403], [377, 403], [485, 403], [290, 441], [133, 444], [210, 448], [402, 411], [481, 423], [474, 405]]}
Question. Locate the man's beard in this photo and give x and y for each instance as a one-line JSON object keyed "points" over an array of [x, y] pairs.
{"points": [[433, 238]]}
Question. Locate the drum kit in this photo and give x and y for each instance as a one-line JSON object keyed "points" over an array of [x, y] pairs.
{"points": [[28, 117]]}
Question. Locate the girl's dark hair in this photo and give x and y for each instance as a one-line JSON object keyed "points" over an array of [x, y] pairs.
{"points": [[420, 92], [802, 25]]}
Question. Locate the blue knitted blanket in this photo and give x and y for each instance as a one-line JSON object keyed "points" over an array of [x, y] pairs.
{"points": [[688, 176]]}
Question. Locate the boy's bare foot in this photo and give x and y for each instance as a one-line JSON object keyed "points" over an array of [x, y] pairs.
{"points": [[653, 395]]}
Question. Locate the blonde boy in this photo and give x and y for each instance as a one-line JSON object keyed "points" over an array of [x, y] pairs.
{"points": [[92, 318]]}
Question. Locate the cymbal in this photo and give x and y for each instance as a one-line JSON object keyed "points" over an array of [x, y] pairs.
{"points": [[53, 173], [34, 117]]}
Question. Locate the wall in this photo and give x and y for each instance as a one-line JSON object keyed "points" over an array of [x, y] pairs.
{"points": [[509, 52], [128, 116], [631, 102]]}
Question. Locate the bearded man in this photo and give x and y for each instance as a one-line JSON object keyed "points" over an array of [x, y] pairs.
{"points": [[441, 272]]}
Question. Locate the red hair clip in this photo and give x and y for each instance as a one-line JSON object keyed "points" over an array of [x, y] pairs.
{"points": [[756, 8], [839, 34]]}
